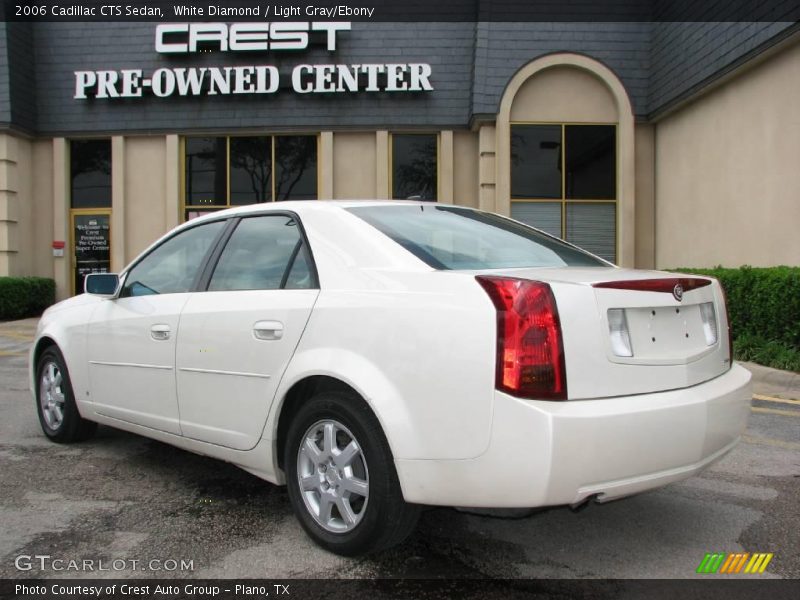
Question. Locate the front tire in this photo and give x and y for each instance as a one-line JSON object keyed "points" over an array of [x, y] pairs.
{"points": [[55, 402], [341, 477]]}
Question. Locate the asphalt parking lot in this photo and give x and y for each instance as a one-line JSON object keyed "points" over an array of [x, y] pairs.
{"points": [[120, 496]]}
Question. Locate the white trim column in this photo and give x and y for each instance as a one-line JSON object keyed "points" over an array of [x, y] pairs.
{"points": [[172, 176], [118, 259], [326, 165], [8, 205], [446, 167], [382, 166], [62, 265], [487, 169]]}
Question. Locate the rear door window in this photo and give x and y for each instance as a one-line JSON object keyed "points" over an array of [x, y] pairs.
{"points": [[263, 253]]}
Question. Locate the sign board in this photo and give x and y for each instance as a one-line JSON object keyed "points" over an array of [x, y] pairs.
{"points": [[255, 79], [92, 246]]}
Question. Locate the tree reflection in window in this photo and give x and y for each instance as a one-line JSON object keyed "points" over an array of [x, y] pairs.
{"points": [[90, 173], [414, 168], [296, 167], [205, 171], [250, 170], [239, 170]]}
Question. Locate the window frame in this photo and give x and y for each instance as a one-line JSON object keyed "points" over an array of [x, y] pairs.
{"points": [[563, 200], [222, 235], [213, 259], [70, 186], [210, 259], [87, 211], [438, 137], [203, 209]]}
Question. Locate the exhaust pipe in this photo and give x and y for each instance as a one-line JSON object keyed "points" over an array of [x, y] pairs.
{"points": [[499, 513], [579, 506]]}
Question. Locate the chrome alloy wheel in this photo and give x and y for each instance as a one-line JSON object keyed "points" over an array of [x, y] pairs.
{"points": [[51, 395], [333, 476]]}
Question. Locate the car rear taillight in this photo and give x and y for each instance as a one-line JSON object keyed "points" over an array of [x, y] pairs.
{"points": [[530, 350]]}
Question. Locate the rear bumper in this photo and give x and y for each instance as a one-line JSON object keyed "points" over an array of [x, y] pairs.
{"points": [[553, 453]]}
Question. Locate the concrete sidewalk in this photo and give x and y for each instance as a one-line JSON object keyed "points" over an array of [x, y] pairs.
{"points": [[774, 382], [16, 336]]}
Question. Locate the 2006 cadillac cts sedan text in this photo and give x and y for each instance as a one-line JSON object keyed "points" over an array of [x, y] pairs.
{"points": [[379, 356]]}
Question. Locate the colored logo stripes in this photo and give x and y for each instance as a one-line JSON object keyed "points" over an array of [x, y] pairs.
{"points": [[736, 562]]}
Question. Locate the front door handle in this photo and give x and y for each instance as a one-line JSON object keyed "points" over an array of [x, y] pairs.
{"points": [[268, 330], [160, 332]]}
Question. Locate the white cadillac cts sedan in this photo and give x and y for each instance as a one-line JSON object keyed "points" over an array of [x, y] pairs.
{"points": [[378, 356]]}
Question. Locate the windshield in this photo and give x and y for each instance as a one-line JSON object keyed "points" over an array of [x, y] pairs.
{"points": [[447, 237]]}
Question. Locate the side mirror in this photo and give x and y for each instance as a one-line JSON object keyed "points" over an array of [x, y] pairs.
{"points": [[101, 284]]}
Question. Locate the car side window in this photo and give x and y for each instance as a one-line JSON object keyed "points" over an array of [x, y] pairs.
{"points": [[171, 268], [263, 253], [299, 276]]}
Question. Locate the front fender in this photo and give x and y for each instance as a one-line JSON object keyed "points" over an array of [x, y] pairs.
{"points": [[66, 325]]}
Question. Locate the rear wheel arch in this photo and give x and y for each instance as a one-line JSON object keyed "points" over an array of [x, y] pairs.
{"points": [[300, 393], [340, 472]]}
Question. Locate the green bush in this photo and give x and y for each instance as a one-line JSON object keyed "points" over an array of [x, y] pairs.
{"points": [[764, 309], [22, 297], [766, 352]]}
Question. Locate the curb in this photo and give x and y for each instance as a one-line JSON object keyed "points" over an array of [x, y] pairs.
{"points": [[774, 382]]}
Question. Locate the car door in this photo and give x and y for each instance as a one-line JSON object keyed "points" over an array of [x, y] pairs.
{"points": [[236, 339], [131, 339]]}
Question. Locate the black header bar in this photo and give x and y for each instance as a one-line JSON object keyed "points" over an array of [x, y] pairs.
{"points": [[375, 589], [405, 10]]}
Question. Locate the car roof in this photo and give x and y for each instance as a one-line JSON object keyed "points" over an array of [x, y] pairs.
{"points": [[302, 206]]}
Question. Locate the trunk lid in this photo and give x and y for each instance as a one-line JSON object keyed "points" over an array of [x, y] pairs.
{"points": [[674, 340]]}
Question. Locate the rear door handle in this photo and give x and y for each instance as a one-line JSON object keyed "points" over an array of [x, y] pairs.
{"points": [[268, 330], [160, 332]]}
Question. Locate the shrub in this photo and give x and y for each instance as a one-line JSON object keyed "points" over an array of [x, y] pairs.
{"points": [[25, 296], [764, 309], [766, 352]]}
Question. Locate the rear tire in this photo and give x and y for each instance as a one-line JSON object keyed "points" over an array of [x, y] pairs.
{"points": [[341, 477], [55, 402]]}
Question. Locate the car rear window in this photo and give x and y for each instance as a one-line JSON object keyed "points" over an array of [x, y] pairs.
{"points": [[447, 237]]}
